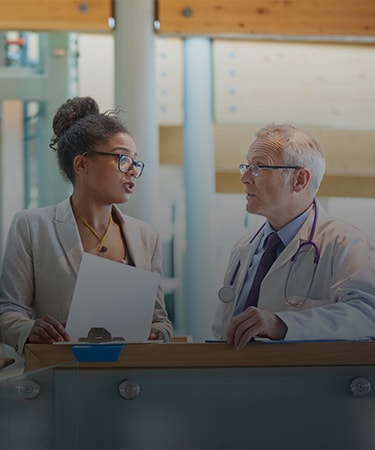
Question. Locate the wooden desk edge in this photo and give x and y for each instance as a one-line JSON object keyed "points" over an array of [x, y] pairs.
{"points": [[209, 355]]}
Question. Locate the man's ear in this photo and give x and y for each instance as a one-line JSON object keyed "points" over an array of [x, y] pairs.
{"points": [[80, 163], [301, 179]]}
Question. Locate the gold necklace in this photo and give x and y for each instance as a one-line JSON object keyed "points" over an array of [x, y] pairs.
{"points": [[102, 248]]}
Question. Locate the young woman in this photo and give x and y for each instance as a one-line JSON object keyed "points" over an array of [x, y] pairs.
{"points": [[45, 245]]}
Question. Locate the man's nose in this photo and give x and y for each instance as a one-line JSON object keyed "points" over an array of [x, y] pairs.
{"points": [[247, 177]]}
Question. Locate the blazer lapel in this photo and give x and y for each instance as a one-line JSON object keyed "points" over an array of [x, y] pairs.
{"points": [[132, 238], [67, 232]]}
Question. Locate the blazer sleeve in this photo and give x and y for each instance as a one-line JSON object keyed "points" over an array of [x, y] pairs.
{"points": [[160, 319], [16, 308], [144, 246]]}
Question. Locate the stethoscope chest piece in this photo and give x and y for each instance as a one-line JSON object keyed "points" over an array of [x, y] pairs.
{"points": [[226, 294]]}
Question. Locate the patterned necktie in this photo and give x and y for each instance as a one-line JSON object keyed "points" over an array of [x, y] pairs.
{"points": [[265, 263]]}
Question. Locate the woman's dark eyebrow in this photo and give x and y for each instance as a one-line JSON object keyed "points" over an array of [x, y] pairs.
{"points": [[124, 149], [121, 148]]}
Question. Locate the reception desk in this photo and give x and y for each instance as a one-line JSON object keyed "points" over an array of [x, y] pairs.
{"points": [[205, 355], [316, 395]]}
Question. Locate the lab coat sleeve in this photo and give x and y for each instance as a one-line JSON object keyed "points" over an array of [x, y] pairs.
{"points": [[350, 309]]}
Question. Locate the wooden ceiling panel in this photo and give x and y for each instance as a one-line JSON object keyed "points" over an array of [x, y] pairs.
{"points": [[56, 15], [267, 17]]}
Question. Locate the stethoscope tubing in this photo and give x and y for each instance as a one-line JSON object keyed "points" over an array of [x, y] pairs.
{"points": [[227, 294], [237, 269]]}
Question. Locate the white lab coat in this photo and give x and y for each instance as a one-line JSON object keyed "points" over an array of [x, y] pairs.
{"points": [[341, 300]]}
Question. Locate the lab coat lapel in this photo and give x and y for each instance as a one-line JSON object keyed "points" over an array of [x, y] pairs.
{"points": [[302, 236], [68, 234], [270, 296], [246, 254]]}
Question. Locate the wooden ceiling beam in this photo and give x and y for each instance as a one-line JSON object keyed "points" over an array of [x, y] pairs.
{"points": [[56, 15], [332, 185], [349, 169], [267, 17]]}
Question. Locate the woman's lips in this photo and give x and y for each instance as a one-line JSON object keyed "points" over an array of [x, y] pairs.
{"points": [[129, 187]]}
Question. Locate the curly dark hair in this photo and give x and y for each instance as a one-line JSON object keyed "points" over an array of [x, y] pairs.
{"points": [[79, 127]]}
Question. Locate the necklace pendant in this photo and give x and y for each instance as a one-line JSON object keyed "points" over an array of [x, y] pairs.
{"points": [[103, 249]]}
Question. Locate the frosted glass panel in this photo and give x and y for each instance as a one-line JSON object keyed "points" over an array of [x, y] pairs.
{"points": [[219, 408]]}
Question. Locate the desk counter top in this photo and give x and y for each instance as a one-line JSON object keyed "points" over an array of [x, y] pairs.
{"points": [[206, 355]]}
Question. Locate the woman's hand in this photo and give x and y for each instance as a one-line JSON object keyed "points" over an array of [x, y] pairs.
{"points": [[47, 330], [155, 335]]}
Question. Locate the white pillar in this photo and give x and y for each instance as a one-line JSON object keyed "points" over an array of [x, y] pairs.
{"points": [[135, 92], [11, 164], [199, 174]]}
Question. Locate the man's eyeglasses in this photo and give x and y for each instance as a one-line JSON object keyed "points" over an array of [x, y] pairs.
{"points": [[124, 162], [255, 168]]}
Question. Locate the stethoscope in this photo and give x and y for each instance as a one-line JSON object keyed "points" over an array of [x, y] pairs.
{"points": [[227, 294]]}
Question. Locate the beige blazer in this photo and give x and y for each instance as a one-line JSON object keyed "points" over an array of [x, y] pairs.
{"points": [[40, 266]]}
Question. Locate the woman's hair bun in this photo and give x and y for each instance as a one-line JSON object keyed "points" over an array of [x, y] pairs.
{"points": [[71, 111]]}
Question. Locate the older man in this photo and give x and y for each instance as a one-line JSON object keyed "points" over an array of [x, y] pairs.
{"points": [[303, 275]]}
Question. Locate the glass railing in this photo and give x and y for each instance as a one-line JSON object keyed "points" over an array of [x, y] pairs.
{"points": [[62, 407]]}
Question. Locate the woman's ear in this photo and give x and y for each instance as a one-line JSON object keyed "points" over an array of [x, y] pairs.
{"points": [[301, 179], [80, 163]]}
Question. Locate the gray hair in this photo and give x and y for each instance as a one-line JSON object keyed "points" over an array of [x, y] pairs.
{"points": [[298, 148]]}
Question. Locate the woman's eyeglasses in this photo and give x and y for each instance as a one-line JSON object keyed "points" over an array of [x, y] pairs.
{"points": [[124, 162]]}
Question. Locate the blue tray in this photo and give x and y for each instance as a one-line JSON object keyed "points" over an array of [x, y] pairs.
{"points": [[97, 352]]}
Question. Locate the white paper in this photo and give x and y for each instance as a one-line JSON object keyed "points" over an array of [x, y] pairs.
{"points": [[115, 296]]}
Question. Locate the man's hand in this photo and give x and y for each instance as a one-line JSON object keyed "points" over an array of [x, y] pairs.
{"points": [[47, 330], [254, 322]]}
